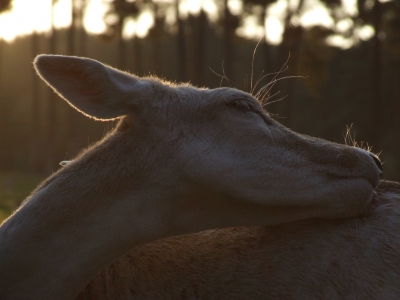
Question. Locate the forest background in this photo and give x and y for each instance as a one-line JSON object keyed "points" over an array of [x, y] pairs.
{"points": [[345, 52]]}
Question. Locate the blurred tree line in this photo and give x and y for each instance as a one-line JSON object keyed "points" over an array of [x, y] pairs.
{"points": [[358, 86]]}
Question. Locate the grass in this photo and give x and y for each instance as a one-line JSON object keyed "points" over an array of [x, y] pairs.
{"points": [[15, 186]]}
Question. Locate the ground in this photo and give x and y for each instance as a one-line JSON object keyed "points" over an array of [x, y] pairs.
{"points": [[15, 186]]}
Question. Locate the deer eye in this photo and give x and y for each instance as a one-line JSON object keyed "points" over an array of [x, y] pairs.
{"points": [[245, 106], [240, 105]]}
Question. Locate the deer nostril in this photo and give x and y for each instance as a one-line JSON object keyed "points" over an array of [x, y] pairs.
{"points": [[377, 161]]}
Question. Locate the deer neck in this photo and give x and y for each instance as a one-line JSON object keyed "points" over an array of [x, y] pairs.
{"points": [[52, 253], [64, 234]]}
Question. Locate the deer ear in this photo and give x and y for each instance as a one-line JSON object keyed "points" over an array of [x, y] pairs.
{"points": [[91, 87]]}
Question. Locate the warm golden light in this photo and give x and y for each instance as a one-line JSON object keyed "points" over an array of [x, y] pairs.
{"points": [[28, 16], [93, 19]]}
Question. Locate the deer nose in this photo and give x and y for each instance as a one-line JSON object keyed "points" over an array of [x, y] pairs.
{"points": [[377, 162], [358, 163]]}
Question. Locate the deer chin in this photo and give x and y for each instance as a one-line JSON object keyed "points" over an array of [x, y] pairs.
{"points": [[321, 197], [335, 197], [356, 193]]}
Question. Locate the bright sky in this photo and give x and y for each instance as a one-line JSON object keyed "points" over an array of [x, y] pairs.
{"points": [[28, 16]]}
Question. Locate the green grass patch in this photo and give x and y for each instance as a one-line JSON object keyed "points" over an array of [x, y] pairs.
{"points": [[15, 186]]}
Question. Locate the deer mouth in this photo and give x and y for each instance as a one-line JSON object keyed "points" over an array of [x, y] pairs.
{"points": [[372, 180]]}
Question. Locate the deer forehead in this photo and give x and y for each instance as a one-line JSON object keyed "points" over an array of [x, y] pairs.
{"points": [[190, 96]]}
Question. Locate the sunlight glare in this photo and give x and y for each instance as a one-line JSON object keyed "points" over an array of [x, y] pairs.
{"points": [[274, 23], [129, 28], [62, 18], [183, 9], [139, 27], [250, 29], [25, 18], [29, 16], [344, 25], [340, 41], [170, 16], [211, 9], [193, 6], [144, 23], [350, 7], [315, 15], [235, 7], [274, 30], [93, 19], [365, 32], [293, 4]]}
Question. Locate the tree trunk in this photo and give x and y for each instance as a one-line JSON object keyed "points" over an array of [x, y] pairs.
{"points": [[227, 48], [82, 31], [137, 54], [181, 43], [267, 67], [1, 59], [121, 45], [71, 122], [376, 78], [156, 36], [266, 52], [52, 107], [35, 161], [71, 30], [199, 49], [290, 46]]}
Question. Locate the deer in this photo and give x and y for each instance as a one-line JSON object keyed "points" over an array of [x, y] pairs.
{"points": [[181, 160], [350, 258]]}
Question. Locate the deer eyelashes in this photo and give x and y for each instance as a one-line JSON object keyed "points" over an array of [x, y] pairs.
{"points": [[241, 105], [244, 106]]}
